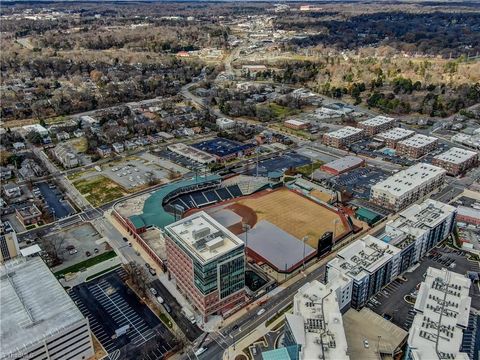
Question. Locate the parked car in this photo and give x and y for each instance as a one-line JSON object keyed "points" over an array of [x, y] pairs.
{"points": [[125, 239], [88, 253], [260, 312], [200, 351], [365, 344], [153, 291], [152, 271], [95, 251], [73, 251]]}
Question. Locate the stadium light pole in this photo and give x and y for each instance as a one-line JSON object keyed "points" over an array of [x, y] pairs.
{"points": [[305, 238]]}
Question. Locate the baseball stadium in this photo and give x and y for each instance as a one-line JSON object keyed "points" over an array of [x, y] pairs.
{"points": [[282, 227]]}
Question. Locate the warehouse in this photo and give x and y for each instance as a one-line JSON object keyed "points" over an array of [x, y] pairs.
{"points": [[343, 165]]}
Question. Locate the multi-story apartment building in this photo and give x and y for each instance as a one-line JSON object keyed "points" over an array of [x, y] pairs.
{"points": [[207, 262], [442, 311], [66, 156], [8, 242], [370, 263], [315, 329], [28, 214], [393, 136], [343, 137], [39, 320], [416, 146], [418, 229], [377, 124], [456, 160], [407, 186]]}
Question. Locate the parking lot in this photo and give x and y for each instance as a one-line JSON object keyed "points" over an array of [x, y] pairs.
{"points": [[134, 172], [110, 305], [279, 163], [82, 238], [360, 180], [390, 301], [54, 198], [178, 159]]}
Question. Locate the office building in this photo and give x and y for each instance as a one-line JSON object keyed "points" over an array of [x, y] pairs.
{"points": [[225, 124], [370, 263], [442, 310], [316, 325], [418, 229], [456, 160], [343, 165], [207, 262], [416, 146], [343, 137], [393, 136], [377, 124], [38, 319], [407, 186], [8, 242]]}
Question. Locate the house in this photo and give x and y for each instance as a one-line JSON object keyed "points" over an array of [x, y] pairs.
{"points": [[29, 169], [63, 135], [17, 146], [118, 147], [104, 151], [28, 214], [36, 128], [12, 190], [5, 173], [165, 135], [129, 145], [66, 156], [78, 133]]}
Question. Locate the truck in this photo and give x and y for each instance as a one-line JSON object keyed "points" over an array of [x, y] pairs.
{"points": [[189, 315]]}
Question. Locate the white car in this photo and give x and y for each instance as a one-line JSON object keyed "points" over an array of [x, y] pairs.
{"points": [[260, 312], [153, 291], [200, 351], [74, 251], [365, 344]]}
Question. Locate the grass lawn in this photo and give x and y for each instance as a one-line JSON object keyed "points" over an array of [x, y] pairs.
{"points": [[99, 190], [80, 144], [87, 263], [165, 320], [282, 111], [91, 277], [307, 170]]}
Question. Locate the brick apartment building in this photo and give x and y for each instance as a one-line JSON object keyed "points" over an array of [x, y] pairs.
{"points": [[456, 160], [343, 137], [377, 124], [416, 146]]}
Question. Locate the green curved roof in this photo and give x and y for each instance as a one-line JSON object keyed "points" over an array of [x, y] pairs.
{"points": [[153, 212]]}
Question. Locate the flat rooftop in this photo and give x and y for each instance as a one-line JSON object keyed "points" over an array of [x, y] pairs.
{"points": [[418, 141], [456, 155], [363, 256], [222, 147], [316, 316], [34, 305], [295, 122], [366, 325], [345, 163], [276, 246], [396, 134], [191, 153], [344, 132], [443, 308], [377, 121], [406, 180], [203, 236]]}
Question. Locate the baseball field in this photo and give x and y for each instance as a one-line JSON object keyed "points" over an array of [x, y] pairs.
{"points": [[292, 212]]}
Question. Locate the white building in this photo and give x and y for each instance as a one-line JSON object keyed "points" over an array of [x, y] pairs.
{"points": [[419, 228], [393, 136], [191, 153], [66, 156], [38, 319], [225, 124], [442, 310], [407, 186], [456, 160], [36, 128], [370, 263], [416, 146], [343, 137], [377, 124], [316, 324]]}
